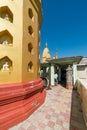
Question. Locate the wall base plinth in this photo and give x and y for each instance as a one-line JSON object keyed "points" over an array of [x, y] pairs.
{"points": [[19, 101], [69, 86]]}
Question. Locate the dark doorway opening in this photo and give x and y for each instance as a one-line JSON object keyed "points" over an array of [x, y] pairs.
{"points": [[63, 75]]}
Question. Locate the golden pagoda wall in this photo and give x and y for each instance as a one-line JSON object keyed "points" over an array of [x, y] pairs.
{"points": [[21, 50]]}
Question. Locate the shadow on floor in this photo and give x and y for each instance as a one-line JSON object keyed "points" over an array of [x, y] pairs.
{"points": [[77, 121]]}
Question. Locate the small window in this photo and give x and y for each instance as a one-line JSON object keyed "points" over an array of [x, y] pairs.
{"points": [[5, 64], [30, 12], [30, 67], [30, 29], [30, 48], [6, 38], [6, 13]]}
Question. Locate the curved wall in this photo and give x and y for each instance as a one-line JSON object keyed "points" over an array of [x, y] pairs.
{"points": [[19, 101]]}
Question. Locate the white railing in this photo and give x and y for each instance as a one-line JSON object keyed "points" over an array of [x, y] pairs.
{"points": [[82, 90]]}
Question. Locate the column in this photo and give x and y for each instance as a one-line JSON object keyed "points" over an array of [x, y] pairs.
{"points": [[52, 74], [69, 78], [59, 74], [74, 72]]}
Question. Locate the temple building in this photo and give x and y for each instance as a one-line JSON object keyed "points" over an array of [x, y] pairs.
{"points": [[68, 68], [21, 89]]}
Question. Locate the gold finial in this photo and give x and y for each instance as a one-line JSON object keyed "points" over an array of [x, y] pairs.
{"points": [[56, 53], [46, 44]]}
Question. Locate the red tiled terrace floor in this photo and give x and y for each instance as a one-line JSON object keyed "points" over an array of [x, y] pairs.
{"points": [[54, 114]]}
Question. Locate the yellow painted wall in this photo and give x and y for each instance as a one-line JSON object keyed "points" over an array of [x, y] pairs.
{"points": [[18, 52]]}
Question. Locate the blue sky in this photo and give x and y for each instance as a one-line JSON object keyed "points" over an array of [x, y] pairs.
{"points": [[65, 27]]}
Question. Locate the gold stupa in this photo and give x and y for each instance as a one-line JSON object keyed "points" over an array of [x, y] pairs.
{"points": [[46, 54]]}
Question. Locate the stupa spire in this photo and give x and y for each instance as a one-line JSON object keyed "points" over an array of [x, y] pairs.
{"points": [[56, 54], [46, 44], [46, 54]]}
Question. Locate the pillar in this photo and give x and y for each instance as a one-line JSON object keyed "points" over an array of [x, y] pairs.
{"points": [[74, 72], [69, 78], [52, 74], [59, 74]]}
